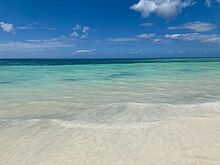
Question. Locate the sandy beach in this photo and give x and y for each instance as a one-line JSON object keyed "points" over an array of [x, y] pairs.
{"points": [[182, 141]]}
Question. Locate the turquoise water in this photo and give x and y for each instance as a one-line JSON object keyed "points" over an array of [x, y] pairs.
{"points": [[121, 111], [109, 91]]}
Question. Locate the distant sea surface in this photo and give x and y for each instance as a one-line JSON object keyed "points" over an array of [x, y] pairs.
{"points": [[47, 98]]}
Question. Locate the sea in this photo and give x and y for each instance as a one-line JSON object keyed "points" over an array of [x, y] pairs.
{"points": [[110, 111]]}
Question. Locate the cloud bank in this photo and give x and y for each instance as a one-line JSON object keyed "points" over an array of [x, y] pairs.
{"points": [[204, 38], [195, 26], [147, 24], [35, 45], [138, 37]]}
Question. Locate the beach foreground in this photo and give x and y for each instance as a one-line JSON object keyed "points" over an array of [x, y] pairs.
{"points": [[180, 141]]}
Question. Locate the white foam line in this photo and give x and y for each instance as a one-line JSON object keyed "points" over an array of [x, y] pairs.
{"points": [[71, 124]]}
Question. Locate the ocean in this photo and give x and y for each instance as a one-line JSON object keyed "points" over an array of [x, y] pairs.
{"points": [[110, 111]]}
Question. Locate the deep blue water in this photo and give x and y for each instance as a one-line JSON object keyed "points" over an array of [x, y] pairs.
{"points": [[41, 62]]}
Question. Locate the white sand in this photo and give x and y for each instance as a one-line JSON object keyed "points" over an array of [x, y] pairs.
{"points": [[179, 141]]}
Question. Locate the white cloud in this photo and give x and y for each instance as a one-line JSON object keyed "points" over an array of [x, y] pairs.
{"points": [[195, 26], [10, 28], [84, 36], [7, 27], [81, 32], [77, 27], [35, 45], [164, 8], [138, 37], [85, 51], [147, 24], [123, 39], [208, 3], [85, 29], [31, 27], [74, 34], [204, 38], [48, 28], [27, 27], [145, 35], [136, 52], [157, 40]]}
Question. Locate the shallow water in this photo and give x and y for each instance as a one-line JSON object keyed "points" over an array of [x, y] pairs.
{"points": [[47, 95], [111, 91]]}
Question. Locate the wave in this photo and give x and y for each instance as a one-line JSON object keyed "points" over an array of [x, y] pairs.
{"points": [[120, 114]]}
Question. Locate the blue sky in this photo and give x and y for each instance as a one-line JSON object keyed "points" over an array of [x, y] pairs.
{"points": [[109, 28]]}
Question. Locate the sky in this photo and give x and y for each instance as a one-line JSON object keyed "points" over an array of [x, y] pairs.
{"points": [[109, 28]]}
